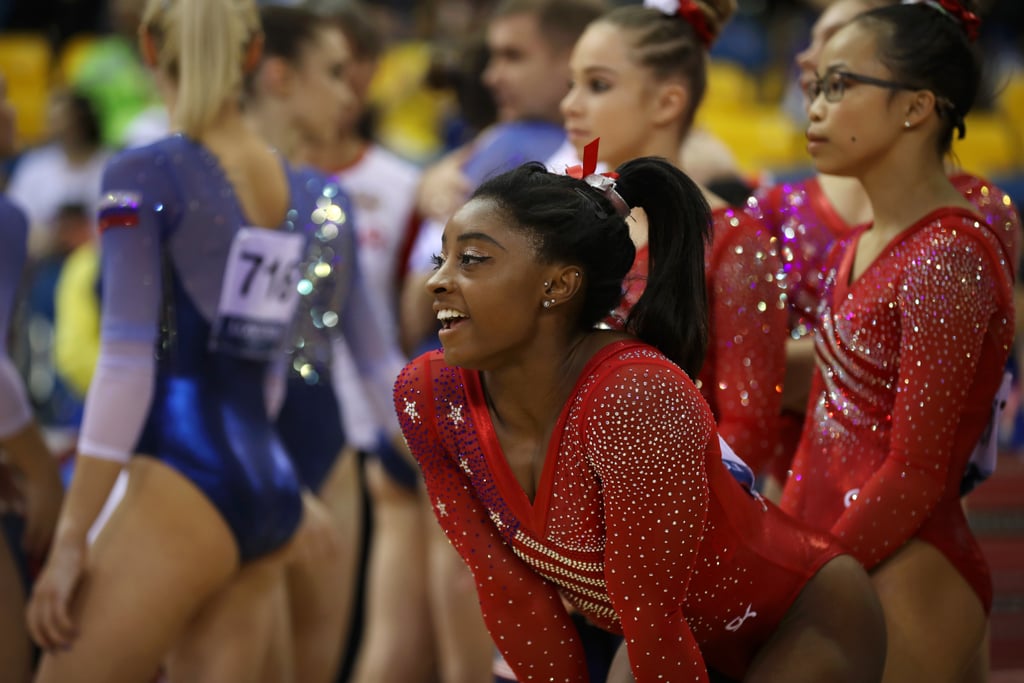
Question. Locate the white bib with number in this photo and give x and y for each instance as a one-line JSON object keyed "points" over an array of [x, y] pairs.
{"points": [[258, 296]]}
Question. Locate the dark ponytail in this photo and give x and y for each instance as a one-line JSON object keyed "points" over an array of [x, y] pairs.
{"points": [[572, 223], [672, 313], [576, 223]]}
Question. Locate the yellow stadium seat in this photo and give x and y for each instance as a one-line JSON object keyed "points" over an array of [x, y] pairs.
{"points": [[730, 86], [1011, 100], [71, 56], [993, 145], [410, 113], [25, 60], [761, 137]]}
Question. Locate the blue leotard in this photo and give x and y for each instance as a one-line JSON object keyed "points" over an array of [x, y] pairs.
{"points": [[169, 220]]}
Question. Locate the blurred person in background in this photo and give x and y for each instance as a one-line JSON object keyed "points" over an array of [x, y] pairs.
{"points": [[185, 568], [110, 70], [298, 99], [59, 406], [382, 185], [30, 488], [65, 170]]}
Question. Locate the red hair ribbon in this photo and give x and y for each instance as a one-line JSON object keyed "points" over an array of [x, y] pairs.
{"points": [[970, 21], [589, 165], [602, 182]]}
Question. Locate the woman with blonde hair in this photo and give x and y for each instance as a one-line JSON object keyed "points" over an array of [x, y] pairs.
{"points": [[202, 235]]}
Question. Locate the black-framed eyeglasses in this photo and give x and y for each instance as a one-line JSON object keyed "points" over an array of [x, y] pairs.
{"points": [[834, 83]]}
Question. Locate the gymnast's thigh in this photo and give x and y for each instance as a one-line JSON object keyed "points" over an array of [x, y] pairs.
{"points": [[162, 554], [934, 619]]}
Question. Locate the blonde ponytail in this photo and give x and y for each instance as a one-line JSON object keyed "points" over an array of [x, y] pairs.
{"points": [[202, 46]]}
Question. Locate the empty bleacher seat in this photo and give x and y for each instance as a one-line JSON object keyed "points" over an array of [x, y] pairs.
{"points": [[25, 60]]}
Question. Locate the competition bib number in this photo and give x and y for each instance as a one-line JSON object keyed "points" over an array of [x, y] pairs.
{"points": [[258, 295]]}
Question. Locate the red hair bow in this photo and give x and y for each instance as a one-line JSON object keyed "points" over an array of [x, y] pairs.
{"points": [[589, 165], [602, 182]]}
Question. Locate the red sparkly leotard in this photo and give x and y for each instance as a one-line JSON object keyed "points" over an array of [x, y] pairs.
{"points": [[909, 357], [745, 363], [806, 227], [636, 522]]}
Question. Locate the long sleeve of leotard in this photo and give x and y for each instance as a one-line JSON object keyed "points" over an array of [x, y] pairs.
{"points": [[15, 410], [523, 611], [944, 319], [647, 430], [135, 200], [748, 333]]}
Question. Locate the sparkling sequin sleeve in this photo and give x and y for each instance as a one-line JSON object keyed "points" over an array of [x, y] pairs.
{"points": [[647, 430], [746, 363], [806, 228], [523, 612], [945, 301], [135, 203], [15, 410], [998, 210]]}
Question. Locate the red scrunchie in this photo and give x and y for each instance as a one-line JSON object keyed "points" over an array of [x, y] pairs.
{"points": [[956, 11], [692, 14]]}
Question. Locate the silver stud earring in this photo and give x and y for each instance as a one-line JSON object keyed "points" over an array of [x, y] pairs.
{"points": [[906, 124], [547, 284], [548, 303]]}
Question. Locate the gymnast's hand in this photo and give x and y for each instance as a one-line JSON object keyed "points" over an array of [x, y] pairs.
{"points": [[48, 614], [32, 488]]}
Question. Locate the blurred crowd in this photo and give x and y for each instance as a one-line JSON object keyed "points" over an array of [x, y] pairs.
{"points": [[423, 92]]}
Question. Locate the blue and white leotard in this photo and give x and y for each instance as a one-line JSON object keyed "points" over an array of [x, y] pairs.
{"points": [[196, 306]]}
